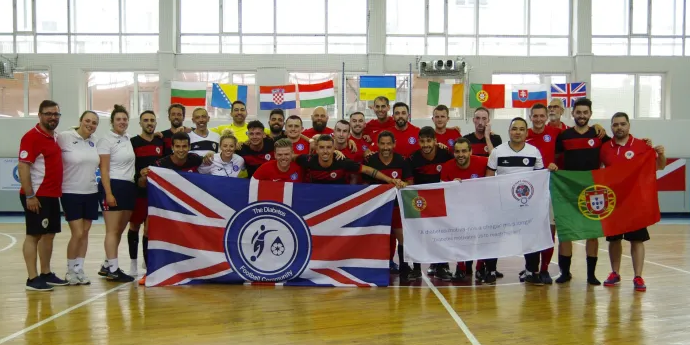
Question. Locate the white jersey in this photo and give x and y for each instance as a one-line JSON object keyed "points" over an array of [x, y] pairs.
{"points": [[234, 168], [203, 145], [504, 160], [79, 163], [121, 152]]}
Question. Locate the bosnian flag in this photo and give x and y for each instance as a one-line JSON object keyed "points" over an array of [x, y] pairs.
{"points": [[526, 96], [278, 97], [209, 229]]}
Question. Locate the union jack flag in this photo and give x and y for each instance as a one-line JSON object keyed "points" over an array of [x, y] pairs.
{"points": [[208, 229], [569, 92]]}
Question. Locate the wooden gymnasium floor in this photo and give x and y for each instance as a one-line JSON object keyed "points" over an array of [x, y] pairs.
{"points": [[510, 313]]}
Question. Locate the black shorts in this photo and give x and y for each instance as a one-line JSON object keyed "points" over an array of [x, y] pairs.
{"points": [[641, 235], [79, 206], [125, 193], [47, 220]]}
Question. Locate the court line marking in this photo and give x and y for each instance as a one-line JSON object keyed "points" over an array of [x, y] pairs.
{"points": [[452, 312], [646, 261], [62, 313], [12, 243]]}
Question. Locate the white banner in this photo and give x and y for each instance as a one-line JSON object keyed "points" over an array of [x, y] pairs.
{"points": [[484, 218], [9, 176]]}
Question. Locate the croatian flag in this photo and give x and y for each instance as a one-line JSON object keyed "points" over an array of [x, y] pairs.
{"points": [[569, 92], [209, 229], [277, 97], [526, 96]]}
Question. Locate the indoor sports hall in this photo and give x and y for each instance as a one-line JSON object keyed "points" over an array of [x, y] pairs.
{"points": [[308, 58]]}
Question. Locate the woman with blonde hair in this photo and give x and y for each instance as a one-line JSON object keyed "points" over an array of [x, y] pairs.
{"points": [[226, 162]]}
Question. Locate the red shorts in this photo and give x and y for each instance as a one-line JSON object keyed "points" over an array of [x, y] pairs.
{"points": [[396, 222], [141, 211]]}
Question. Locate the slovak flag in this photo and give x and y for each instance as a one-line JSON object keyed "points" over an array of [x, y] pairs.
{"points": [[278, 97], [526, 96]]}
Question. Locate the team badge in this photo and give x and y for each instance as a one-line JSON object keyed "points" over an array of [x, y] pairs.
{"points": [[523, 191], [300, 147], [629, 154], [294, 176], [525, 161], [523, 95], [590, 142], [419, 203], [91, 144], [45, 222], [278, 96], [268, 156], [439, 167], [412, 140], [23, 154], [394, 174], [365, 147], [334, 175], [547, 138], [482, 96], [474, 176], [214, 146], [596, 202], [486, 149], [235, 168], [158, 150], [267, 242], [451, 142]]}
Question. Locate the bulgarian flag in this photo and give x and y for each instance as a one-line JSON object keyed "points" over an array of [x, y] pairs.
{"points": [[606, 202], [424, 203], [490, 96], [189, 94], [450, 95], [314, 95]]}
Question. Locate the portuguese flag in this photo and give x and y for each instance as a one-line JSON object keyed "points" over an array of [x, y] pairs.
{"points": [[426, 203], [606, 202], [490, 96], [189, 94]]}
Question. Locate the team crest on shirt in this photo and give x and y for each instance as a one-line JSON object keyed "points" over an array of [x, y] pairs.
{"points": [[91, 143], [300, 147], [439, 167], [45, 222], [214, 145], [412, 140], [547, 138], [629, 154], [365, 147], [235, 168], [394, 174], [158, 150], [596, 202], [23, 154], [268, 156], [590, 142], [451, 142], [486, 149], [474, 176], [334, 175], [294, 176], [523, 191], [525, 161]]}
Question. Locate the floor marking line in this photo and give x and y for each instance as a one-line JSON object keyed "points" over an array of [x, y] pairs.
{"points": [[64, 312], [12, 243], [452, 312], [646, 261]]}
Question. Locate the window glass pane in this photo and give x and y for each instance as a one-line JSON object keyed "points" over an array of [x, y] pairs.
{"points": [[230, 44], [12, 96], [148, 94], [667, 47], [549, 17], [404, 17], [257, 17], [687, 19], [301, 16], [558, 79], [51, 44], [347, 45], [436, 45], [610, 17], [639, 46], [39, 90], [140, 16], [25, 44], [612, 93], [405, 45], [650, 96], [301, 45], [640, 12], [667, 17], [436, 12], [6, 16], [347, 16], [6, 44], [460, 17], [95, 44], [312, 78], [257, 44], [90, 16], [548, 47], [140, 44], [503, 17], [199, 16], [51, 16], [24, 16], [199, 44], [609, 46], [509, 80], [462, 46], [105, 89], [503, 46], [230, 16]]}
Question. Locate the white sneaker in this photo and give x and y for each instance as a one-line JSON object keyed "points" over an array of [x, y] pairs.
{"points": [[83, 279], [71, 278], [133, 271]]}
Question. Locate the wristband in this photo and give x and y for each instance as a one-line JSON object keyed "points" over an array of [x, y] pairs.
{"points": [[31, 196]]}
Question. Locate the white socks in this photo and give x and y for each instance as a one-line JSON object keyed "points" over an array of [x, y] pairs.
{"points": [[71, 264], [113, 266]]}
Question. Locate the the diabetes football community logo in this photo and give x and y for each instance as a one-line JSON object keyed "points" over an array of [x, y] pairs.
{"points": [[596, 202], [523, 191], [267, 242]]}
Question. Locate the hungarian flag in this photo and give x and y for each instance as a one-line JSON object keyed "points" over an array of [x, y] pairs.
{"points": [[427, 203], [606, 202], [189, 94], [314, 95], [492, 96]]}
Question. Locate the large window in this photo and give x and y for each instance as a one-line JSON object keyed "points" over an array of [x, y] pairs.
{"points": [[517, 79], [478, 27], [273, 26], [20, 96], [313, 78], [632, 27], [638, 95], [136, 91], [79, 26], [248, 79], [402, 94]]}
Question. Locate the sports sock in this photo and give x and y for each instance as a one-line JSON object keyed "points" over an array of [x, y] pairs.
{"points": [[401, 255], [145, 244], [79, 264], [392, 246], [417, 266], [133, 244], [564, 263], [70, 265], [113, 266], [591, 265], [546, 256]]}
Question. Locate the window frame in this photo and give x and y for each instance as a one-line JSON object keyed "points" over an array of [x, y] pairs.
{"points": [[636, 94], [26, 89]]}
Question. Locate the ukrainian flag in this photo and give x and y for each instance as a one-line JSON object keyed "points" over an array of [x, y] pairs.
{"points": [[371, 87], [223, 95]]}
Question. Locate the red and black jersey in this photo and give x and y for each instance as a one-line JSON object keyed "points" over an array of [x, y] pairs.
{"points": [[167, 141], [190, 165], [428, 171], [479, 147], [580, 151], [253, 159], [337, 173], [146, 154], [398, 168]]}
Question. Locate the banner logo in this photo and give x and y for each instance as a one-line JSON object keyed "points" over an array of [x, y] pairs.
{"points": [[523, 191], [597, 202], [419, 203]]}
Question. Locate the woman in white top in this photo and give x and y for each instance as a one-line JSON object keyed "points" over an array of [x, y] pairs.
{"points": [[79, 191], [226, 163], [117, 189]]}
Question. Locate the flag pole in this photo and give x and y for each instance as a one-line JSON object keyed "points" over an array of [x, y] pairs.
{"points": [[409, 94], [342, 91]]}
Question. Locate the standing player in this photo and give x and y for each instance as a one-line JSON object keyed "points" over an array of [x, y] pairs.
{"points": [[202, 140], [258, 150], [176, 113], [147, 149], [406, 134], [357, 125], [238, 125], [483, 141], [276, 121], [319, 123], [465, 166], [293, 130], [556, 111], [283, 168], [514, 157], [580, 148], [226, 162], [79, 191], [341, 137], [622, 148], [182, 158], [382, 121], [444, 135], [40, 174]]}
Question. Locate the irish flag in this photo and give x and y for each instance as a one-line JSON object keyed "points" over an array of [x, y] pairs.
{"points": [[424, 203], [189, 94], [450, 95], [606, 202], [314, 95]]}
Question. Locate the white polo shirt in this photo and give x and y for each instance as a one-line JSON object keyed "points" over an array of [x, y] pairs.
{"points": [[504, 160], [121, 154], [203, 145], [234, 168], [79, 163]]}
